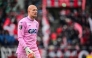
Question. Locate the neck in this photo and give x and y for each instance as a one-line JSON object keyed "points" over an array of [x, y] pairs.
{"points": [[32, 18]]}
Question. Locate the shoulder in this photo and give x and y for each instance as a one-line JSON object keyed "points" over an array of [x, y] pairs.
{"points": [[23, 20]]}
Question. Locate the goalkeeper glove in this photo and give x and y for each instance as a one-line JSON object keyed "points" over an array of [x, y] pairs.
{"points": [[29, 53]]}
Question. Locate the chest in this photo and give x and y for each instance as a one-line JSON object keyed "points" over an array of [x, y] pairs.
{"points": [[32, 27]]}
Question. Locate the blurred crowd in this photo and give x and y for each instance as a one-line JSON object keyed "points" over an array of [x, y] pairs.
{"points": [[70, 30], [70, 34]]}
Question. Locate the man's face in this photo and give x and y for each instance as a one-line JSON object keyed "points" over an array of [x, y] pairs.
{"points": [[33, 12]]}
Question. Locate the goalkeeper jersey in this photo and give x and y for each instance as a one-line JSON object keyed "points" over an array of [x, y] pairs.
{"points": [[27, 34]]}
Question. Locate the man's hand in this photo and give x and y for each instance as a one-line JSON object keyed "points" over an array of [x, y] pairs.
{"points": [[29, 53]]}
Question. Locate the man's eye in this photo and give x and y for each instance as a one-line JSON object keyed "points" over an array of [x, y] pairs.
{"points": [[35, 10]]}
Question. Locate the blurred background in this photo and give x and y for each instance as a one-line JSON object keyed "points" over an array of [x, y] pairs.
{"points": [[65, 27]]}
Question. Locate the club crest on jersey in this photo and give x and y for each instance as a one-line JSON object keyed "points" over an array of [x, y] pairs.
{"points": [[31, 31], [20, 27]]}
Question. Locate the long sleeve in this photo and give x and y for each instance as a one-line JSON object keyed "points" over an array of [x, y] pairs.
{"points": [[21, 30]]}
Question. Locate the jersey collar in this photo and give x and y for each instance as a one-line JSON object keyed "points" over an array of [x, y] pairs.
{"points": [[29, 18]]}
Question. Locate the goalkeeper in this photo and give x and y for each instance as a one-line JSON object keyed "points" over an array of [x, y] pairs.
{"points": [[27, 35]]}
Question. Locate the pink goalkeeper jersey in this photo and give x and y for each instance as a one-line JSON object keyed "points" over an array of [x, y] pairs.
{"points": [[27, 34]]}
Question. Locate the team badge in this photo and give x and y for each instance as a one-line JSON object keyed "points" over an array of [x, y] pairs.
{"points": [[20, 27]]}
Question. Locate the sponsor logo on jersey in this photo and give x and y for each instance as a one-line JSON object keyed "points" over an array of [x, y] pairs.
{"points": [[32, 31]]}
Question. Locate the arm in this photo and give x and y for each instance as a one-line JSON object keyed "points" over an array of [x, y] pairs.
{"points": [[21, 28]]}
